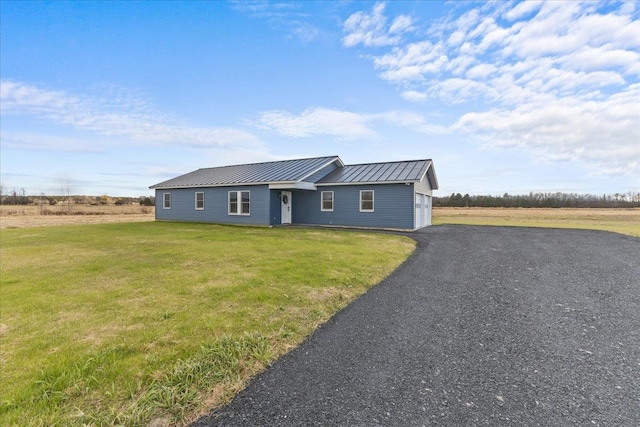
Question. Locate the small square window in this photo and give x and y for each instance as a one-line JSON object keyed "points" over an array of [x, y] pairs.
{"points": [[200, 201], [366, 200], [166, 201], [327, 201]]}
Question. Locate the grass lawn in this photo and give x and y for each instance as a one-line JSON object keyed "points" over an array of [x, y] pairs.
{"points": [[625, 221], [132, 322]]}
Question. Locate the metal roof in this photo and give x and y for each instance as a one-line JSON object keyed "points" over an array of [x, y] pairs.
{"points": [[284, 171], [378, 173]]}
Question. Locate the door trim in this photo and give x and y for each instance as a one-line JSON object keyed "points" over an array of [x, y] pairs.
{"points": [[285, 208]]}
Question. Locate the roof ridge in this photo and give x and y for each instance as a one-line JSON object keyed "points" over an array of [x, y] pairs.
{"points": [[269, 162], [388, 162]]}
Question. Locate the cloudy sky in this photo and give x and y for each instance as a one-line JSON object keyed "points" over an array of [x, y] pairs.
{"points": [[112, 97]]}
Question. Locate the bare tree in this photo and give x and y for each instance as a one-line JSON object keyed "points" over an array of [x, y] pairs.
{"points": [[66, 193], [42, 200]]}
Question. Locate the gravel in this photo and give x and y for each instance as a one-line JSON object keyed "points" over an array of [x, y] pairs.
{"points": [[481, 326]]}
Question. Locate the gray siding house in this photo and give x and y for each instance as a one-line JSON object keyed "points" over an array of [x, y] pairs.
{"points": [[317, 191]]}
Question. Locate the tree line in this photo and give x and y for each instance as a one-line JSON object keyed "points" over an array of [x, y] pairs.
{"points": [[18, 197], [541, 200]]}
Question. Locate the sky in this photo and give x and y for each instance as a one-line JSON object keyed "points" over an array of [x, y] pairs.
{"points": [[109, 98]]}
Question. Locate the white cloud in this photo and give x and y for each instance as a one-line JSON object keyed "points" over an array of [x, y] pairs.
{"points": [[341, 124], [371, 29], [589, 58], [317, 121], [481, 71], [401, 24], [122, 117], [605, 134], [408, 120], [414, 96], [522, 9], [557, 79], [282, 15], [571, 39], [31, 141], [305, 32]]}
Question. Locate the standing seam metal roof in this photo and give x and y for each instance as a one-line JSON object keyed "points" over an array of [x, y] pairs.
{"points": [[290, 171], [255, 173], [405, 171]]}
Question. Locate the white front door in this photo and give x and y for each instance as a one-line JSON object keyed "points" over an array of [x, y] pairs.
{"points": [[286, 207]]}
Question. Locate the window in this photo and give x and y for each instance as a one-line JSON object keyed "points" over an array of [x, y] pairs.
{"points": [[366, 200], [239, 203], [166, 200], [199, 201], [327, 201], [245, 202]]}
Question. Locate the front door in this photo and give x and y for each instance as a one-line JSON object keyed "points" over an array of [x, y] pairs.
{"points": [[286, 207]]}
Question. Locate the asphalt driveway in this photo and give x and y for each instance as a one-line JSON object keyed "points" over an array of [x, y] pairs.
{"points": [[481, 326]]}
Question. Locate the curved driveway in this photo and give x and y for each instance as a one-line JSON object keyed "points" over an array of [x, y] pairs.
{"points": [[481, 326]]}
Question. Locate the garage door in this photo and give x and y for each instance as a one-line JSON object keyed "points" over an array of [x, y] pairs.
{"points": [[420, 211]]}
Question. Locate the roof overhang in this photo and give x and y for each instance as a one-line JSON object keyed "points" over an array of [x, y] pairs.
{"points": [[278, 185], [299, 185], [430, 173], [332, 184]]}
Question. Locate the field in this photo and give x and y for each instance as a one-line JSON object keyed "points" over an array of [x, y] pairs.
{"points": [[140, 321], [31, 216], [625, 221], [128, 323]]}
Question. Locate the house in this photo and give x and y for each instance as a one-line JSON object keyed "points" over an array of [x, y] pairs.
{"points": [[316, 191]]}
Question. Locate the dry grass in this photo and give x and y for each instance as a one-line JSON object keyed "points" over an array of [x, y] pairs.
{"points": [[625, 221], [37, 216]]}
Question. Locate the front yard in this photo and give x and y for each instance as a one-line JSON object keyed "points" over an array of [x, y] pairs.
{"points": [[132, 322]]}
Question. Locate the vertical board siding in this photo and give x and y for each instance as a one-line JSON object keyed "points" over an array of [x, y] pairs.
{"points": [[423, 186], [393, 206], [216, 205]]}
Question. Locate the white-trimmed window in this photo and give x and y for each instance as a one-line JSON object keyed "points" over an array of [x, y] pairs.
{"points": [[366, 200], [199, 200], [327, 201], [166, 200], [239, 202]]}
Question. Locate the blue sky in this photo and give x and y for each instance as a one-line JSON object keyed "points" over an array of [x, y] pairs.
{"points": [[112, 97]]}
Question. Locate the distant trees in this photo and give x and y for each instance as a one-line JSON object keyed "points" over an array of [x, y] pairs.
{"points": [[541, 200], [66, 200], [147, 201], [16, 197]]}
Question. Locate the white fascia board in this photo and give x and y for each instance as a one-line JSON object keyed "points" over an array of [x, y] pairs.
{"points": [[292, 186], [425, 171], [328, 184], [432, 183], [180, 187], [272, 185]]}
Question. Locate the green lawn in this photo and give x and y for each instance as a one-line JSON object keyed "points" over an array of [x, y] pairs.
{"points": [[127, 323]]}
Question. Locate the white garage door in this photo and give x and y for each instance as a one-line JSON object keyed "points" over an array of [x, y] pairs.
{"points": [[420, 211], [423, 210]]}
